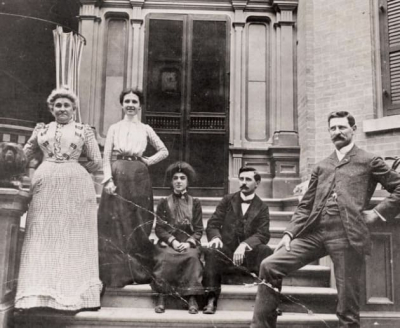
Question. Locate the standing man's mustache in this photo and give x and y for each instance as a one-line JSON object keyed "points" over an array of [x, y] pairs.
{"points": [[338, 137], [243, 187]]}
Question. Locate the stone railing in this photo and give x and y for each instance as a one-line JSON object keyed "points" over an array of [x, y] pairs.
{"points": [[17, 131], [13, 204]]}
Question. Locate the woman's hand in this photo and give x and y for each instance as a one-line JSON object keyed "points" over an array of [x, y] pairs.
{"points": [[176, 245], [110, 188], [145, 160], [180, 247], [185, 246]]}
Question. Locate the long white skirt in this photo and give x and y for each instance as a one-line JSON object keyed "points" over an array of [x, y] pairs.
{"points": [[59, 260]]}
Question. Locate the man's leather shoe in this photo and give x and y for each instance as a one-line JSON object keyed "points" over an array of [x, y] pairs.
{"points": [[160, 306], [193, 307], [211, 307]]}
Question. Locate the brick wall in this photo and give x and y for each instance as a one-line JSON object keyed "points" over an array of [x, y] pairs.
{"points": [[336, 71], [305, 83]]}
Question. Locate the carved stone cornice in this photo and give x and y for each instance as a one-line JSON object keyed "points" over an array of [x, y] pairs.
{"points": [[284, 23], [285, 8], [137, 21], [89, 10], [239, 24], [239, 4], [286, 5], [259, 6], [90, 2], [90, 17], [218, 5], [137, 3]]}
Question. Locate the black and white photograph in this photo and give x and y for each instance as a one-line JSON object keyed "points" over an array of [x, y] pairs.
{"points": [[199, 163]]}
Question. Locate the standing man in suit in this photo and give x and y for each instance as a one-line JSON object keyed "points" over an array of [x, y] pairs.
{"points": [[332, 219], [237, 232]]}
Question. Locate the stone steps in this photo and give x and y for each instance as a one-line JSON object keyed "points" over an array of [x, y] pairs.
{"points": [[274, 204], [276, 234], [277, 218], [308, 276], [307, 299], [233, 298], [146, 318]]}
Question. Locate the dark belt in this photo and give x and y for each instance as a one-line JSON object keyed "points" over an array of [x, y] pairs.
{"points": [[128, 158]]}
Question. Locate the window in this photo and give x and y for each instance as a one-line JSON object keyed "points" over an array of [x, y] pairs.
{"points": [[389, 21]]}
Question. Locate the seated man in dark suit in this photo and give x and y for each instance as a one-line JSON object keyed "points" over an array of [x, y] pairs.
{"points": [[237, 232]]}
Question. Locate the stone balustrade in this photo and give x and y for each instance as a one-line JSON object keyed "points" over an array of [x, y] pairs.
{"points": [[13, 204]]}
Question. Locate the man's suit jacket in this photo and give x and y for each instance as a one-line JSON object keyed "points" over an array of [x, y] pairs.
{"points": [[228, 212], [355, 178]]}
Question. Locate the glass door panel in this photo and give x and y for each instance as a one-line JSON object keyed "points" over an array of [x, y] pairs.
{"points": [[165, 66], [208, 72], [187, 96]]}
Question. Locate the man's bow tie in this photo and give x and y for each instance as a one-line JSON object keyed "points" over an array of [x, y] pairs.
{"points": [[246, 201]]}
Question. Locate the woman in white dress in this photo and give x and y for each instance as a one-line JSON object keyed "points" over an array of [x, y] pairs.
{"points": [[126, 206], [59, 261]]}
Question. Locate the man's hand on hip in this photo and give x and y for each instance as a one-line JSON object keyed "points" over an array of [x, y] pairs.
{"points": [[285, 241], [370, 217]]}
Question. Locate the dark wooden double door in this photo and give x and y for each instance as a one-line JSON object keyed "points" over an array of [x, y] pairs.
{"points": [[187, 96]]}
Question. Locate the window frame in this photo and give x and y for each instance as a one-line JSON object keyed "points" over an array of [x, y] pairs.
{"points": [[389, 108]]}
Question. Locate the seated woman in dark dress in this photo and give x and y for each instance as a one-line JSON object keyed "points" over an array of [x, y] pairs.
{"points": [[178, 270]]}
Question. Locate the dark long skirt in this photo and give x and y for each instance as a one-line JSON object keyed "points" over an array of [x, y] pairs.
{"points": [[125, 222], [177, 273]]}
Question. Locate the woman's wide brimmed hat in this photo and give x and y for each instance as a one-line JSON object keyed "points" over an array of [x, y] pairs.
{"points": [[180, 167]]}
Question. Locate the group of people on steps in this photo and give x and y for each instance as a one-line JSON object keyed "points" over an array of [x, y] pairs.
{"points": [[73, 250]]}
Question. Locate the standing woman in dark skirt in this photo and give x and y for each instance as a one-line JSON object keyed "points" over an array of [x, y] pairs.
{"points": [[126, 206], [178, 270]]}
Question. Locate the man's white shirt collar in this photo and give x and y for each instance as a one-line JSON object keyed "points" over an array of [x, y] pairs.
{"points": [[344, 150], [249, 197], [246, 206]]}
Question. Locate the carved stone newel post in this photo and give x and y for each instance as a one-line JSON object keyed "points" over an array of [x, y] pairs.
{"points": [[13, 204]]}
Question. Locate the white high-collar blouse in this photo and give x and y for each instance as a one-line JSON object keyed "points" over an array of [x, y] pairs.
{"points": [[129, 138]]}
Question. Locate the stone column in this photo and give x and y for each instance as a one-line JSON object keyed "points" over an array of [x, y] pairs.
{"points": [[135, 65], [89, 20], [286, 113], [13, 203], [237, 74], [236, 80]]}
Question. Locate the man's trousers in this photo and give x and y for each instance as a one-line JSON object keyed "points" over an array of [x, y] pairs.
{"points": [[219, 262], [329, 238]]}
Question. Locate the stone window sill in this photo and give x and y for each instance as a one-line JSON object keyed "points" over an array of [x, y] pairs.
{"points": [[382, 124]]}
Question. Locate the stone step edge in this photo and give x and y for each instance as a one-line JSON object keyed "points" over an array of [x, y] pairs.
{"points": [[232, 291], [216, 200], [276, 215], [106, 315], [274, 231]]}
